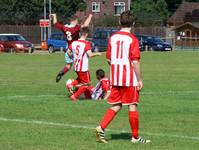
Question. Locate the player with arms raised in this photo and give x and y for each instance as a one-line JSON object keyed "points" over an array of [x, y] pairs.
{"points": [[71, 32], [123, 56]]}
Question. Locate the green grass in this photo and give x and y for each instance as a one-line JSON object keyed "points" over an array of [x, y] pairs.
{"points": [[169, 105]]}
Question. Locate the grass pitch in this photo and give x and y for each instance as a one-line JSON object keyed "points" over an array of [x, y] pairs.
{"points": [[34, 114]]}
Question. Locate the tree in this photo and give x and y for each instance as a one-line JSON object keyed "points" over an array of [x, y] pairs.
{"points": [[150, 12], [162, 10], [29, 12]]}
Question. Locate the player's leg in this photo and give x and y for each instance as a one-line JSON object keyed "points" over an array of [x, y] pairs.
{"points": [[88, 92], [108, 117], [115, 100], [134, 124], [83, 78], [132, 100], [67, 67], [62, 72], [73, 84], [80, 91]]}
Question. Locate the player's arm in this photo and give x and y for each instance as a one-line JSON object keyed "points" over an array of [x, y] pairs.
{"points": [[106, 89], [56, 23], [91, 54], [53, 17], [135, 58], [136, 65], [87, 21], [108, 61], [70, 53], [108, 53], [106, 96]]}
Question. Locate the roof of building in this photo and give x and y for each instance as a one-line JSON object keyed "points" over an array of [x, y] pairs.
{"points": [[196, 25], [187, 11]]}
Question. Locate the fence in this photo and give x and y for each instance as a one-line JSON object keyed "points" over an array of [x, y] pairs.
{"points": [[33, 34]]}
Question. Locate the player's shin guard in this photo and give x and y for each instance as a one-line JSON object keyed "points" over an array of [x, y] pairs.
{"points": [[134, 123], [108, 117]]}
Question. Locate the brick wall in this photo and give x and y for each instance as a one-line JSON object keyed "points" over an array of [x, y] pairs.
{"points": [[106, 8]]}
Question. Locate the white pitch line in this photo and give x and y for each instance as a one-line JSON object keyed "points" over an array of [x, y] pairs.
{"points": [[91, 128], [142, 93], [34, 96]]}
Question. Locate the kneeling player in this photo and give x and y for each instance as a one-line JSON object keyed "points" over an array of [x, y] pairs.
{"points": [[99, 92]]}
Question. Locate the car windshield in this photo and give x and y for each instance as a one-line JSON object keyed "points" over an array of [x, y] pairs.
{"points": [[15, 38], [155, 39]]}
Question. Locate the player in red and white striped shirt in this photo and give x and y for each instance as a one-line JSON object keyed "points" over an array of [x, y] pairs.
{"points": [[81, 50], [99, 92], [123, 56]]}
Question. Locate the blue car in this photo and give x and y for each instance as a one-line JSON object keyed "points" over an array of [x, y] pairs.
{"points": [[100, 39], [153, 43], [57, 42]]}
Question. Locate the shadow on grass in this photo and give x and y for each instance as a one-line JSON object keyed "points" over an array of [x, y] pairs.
{"points": [[120, 136]]}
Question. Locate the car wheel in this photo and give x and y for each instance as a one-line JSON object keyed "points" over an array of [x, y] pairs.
{"points": [[11, 50], [151, 49], [32, 50], [96, 49], [51, 49]]}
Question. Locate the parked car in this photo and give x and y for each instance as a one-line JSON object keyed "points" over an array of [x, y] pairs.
{"points": [[153, 43], [15, 43], [56, 42], [100, 39], [1, 48]]}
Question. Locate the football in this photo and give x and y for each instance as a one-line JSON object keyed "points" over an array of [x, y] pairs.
{"points": [[68, 82]]}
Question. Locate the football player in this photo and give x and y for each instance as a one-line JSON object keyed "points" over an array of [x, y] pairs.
{"points": [[100, 92], [71, 32], [123, 56]]}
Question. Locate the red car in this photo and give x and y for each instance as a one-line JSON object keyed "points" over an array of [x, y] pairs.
{"points": [[1, 48], [15, 43]]}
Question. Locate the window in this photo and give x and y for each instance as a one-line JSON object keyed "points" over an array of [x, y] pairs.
{"points": [[101, 35], [95, 6], [56, 37], [119, 7]]}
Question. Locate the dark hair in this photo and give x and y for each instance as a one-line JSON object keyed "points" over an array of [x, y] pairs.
{"points": [[84, 30], [100, 73], [74, 17], [127, 19]]}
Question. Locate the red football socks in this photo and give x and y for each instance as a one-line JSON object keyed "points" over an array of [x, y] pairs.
{"points": [[134, 123], [108, 117], [80, 91], [65, 70]]}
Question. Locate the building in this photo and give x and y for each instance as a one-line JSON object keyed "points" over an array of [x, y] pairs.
{"points": [[185, 23], [100, 8]]}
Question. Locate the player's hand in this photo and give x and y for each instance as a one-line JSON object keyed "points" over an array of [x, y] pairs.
{"points": [[140, 85], [99, 54], [90, 15], [52, 16]]}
